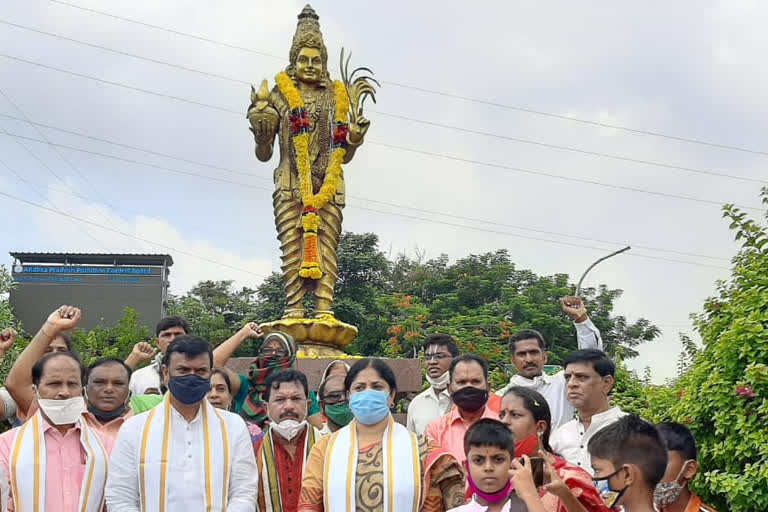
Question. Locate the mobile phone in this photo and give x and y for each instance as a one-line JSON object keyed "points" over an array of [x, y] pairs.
{"points": [[537, 468]]}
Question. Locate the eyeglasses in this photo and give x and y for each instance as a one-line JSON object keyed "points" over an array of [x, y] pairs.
{"points": [[268, 351], [437, 356], [334, 398]]}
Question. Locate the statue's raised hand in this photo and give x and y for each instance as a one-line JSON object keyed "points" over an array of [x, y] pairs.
{"points": [[357, 130], [262, 115]]}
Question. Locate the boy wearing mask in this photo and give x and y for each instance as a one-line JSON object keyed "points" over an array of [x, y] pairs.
{"points": [[498, 481], [673, 493], [629, 459]]}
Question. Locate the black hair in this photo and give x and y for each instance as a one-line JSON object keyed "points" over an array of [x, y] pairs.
{"points": [[467, 358], [602, 364], [290, 375], [526, 334], [171, 321], [190, 346], [489, 432], [67, 340], [39, 367], [678, 438], [443, 340], [382, 368], [632, 440], [105, 361], [321, 389], [535, 402], [225, 376]]}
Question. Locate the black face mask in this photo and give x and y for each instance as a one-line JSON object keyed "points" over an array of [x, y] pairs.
{"points": [[104, 416], [470, 398], [611, 497]]}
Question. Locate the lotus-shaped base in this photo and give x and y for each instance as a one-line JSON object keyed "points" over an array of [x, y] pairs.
{"points": [[323, 337]]}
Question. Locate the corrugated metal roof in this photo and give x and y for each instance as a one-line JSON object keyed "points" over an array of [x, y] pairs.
{"points": [[74, 258]]}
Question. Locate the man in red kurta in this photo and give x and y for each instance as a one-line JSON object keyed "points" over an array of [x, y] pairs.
{"points": [[281, 453]]}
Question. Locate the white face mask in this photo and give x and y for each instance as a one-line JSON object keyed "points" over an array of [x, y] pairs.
{"points": [[288, 429], [441, 382], [62, 412]]}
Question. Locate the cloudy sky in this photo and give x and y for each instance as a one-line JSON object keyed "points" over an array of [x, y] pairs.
{"points": [[488, 178]]}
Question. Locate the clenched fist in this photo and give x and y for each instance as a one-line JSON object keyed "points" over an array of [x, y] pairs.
{"points": [[65, 318], [574, 307], [251, 330], [143, 351], [7, 338]]}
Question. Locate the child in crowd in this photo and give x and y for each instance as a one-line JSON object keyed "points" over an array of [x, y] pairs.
{"points": [[498, 481], [629, 458], [673, 494]]}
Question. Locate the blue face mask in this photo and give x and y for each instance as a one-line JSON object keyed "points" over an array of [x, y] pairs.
{"points": [[369, 406], [189, 389]]}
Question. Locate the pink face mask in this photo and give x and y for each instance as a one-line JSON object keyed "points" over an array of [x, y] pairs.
{"points": [[494, 497]]}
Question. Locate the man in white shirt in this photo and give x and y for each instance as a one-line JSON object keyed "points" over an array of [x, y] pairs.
{"points": [[435, 401], [529, 356], [147, 379], [590, 376], [183, 454]]}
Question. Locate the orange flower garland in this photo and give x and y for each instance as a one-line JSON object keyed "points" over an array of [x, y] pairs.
{"points": [[310, 219]]}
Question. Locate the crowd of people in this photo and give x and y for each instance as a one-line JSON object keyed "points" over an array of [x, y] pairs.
{"points": [[186, 433]]}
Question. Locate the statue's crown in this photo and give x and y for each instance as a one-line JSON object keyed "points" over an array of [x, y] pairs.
{"points": [[308, 34], [308, 12]]}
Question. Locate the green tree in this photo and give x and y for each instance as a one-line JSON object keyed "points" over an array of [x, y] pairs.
{"points": [[7, 320], [117, 341], [723, 394], [215, 310], [482, 299]]}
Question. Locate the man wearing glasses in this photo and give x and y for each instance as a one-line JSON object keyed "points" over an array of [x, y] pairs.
{"points": [[435, 401]]}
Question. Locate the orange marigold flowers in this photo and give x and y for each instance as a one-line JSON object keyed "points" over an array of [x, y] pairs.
{"points": [[299, 118]]}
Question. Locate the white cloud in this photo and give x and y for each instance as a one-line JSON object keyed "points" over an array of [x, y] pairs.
{"points": [[195, 258]]}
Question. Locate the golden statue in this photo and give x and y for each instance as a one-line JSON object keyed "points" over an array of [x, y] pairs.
{"points": [[319, 125]]}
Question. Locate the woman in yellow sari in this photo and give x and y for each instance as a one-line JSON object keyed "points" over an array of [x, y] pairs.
{"points": [[374, 464]]}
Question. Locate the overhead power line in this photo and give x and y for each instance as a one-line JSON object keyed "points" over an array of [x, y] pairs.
{"points": [[367, 199], [120, 208], [128, 235], [391, 146], [401, 117], [432, 91], [44, 165], [36, 190], [475, 228]]}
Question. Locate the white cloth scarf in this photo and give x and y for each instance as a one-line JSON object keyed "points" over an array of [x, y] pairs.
{"points": [[402, 492], [28, 468], [536, 383], [154, 458]]}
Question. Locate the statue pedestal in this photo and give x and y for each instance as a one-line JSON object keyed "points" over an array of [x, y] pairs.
{"points": [[317, 338]]}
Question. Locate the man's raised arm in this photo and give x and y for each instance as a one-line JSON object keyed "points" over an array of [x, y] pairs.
{"points": [[587, 334], [19, 381]]}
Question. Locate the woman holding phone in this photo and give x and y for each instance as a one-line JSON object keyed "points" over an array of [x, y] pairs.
{"points": [[568, 487]]}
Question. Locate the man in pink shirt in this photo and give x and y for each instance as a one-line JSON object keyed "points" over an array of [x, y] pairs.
{"points": [[470, 390], [106, 381], [107, 396], [46, 459]]}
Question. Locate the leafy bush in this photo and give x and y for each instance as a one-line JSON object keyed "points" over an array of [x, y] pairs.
{"points": [[722, 396]]}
